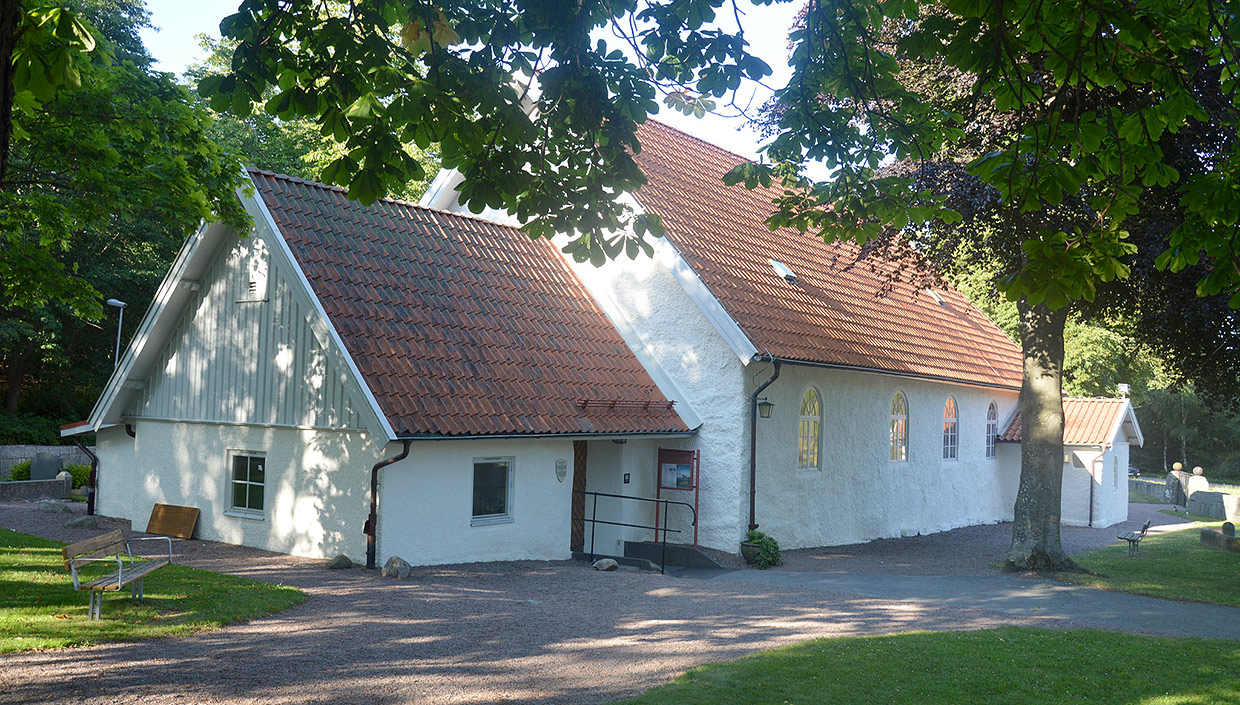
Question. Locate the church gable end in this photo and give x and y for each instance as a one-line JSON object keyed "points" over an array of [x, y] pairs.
{"points": [[249, 349]]}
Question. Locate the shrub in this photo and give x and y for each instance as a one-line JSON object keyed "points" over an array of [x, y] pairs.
{"points": [[20, 471], [80, 473], [28, 429], [768, 549]]}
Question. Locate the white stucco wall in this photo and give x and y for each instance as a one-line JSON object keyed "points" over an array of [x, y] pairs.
{"points": [[315, 494], [1107, 469], [662, 324], [426, 503], [859, 494], [607, 463]]}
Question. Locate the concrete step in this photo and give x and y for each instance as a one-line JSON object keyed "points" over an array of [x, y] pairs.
{"points": [[677, 554]]}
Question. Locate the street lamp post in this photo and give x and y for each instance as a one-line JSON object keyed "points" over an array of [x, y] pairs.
{"points": [[116, 357]]}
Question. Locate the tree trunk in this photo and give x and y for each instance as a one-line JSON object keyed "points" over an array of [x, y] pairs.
{"points": [[15, 374], [1035, 527]]}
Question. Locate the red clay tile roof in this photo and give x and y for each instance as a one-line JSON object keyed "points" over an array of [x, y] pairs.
{"points": [[461, 326], [832, 314], [1085, 421]]}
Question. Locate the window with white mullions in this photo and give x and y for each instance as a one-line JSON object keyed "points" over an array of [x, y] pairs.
{"points": [[492, 491], [809, 431], [899, 427], [951, 435], [248, 480], [992, 430]]}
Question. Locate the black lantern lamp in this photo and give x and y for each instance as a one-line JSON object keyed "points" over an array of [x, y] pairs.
{"points": [[764, 408]]}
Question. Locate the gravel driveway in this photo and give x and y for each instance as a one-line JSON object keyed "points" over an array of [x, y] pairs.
{"points": [[501, 632]]}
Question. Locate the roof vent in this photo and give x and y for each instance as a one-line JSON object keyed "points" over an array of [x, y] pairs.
{"points": [[782, 270], [937, 298]]}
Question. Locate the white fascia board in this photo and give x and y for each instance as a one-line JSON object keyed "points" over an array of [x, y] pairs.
{"points": [[144, 338], [724, 324], [1127, 413], [277, 238], [442, 193]]}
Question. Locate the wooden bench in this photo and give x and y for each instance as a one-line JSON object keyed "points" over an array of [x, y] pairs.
{"points": [[1134, 539], [113, 548]]}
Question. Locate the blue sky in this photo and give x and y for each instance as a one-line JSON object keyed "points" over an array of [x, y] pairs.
{"points": [[178, 21]]}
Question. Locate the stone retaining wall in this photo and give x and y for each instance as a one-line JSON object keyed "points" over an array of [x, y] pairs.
{"points": [[1215, 504], [12, 455], [27, 490]]}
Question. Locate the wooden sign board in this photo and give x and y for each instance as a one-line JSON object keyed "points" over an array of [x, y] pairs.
{"points": [[171, 520]]}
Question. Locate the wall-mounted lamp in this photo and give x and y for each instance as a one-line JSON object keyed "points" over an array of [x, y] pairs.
{"points": [[117, 303], [765, 408]]}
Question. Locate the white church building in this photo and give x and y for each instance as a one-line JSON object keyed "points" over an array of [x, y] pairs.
{"points": [[406, 380]]}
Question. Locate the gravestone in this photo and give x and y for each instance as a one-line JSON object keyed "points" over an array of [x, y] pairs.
{"points": [[45, 466], [1229, 529]]}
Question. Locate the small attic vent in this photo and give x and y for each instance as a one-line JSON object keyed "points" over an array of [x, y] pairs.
{"points": [[937, 298], [252, 288], [783, 270]]}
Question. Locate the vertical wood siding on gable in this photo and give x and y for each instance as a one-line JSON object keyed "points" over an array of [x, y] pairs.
{"points": [[250, 362]]}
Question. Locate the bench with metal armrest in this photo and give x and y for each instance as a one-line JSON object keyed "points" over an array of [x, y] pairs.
{"points": [[1134, 539], [112, 548]]}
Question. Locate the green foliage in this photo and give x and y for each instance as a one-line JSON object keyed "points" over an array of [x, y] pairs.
{"points": [[105, 180], [291, 144], [80, 473], [39, 608], [1011, 665], [1173, 565], [768, 549], [1179, 426], [20, 472], [377, 76], [28, 429]]}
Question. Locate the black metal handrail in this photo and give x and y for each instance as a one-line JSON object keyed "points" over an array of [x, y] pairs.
{"points": [[595, 521]]}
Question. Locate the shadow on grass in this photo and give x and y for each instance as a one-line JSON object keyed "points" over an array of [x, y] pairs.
{"points": [[39, 609]]}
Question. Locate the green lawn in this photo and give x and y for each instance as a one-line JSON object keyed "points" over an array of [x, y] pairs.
{"points": [[1143, 498], [1173, 565], [1008, 666], [39, 608]]}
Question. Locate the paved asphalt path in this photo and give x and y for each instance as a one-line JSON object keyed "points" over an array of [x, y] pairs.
{"points": [[1009, 594]]}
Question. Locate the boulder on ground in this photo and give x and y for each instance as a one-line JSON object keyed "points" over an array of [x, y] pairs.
{"points": [[396, 568], [83, 522], [606, 564], [340, 562], [49, 505]]}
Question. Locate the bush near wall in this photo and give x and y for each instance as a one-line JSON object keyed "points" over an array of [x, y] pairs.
{"points": [[27, 429], [80, 473]]}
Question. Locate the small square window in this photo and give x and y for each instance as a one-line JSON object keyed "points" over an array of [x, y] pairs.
{"points": [[492, 490], [247, 483]]}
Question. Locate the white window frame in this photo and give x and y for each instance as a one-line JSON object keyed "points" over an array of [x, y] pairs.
{"points": [[506, 517], [809, 433], [992, 431], [898, 429], [229, 483], [951, 429]]}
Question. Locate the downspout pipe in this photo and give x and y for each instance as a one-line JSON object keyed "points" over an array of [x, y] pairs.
{"points": [[753, 444], [372, 521], [94, 476]]}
